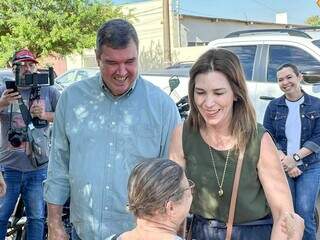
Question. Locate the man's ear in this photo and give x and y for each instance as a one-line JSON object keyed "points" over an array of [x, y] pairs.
{"points": [[97, 57]]}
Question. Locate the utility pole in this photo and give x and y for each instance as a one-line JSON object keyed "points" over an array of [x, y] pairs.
{"points": [[166, 33]]}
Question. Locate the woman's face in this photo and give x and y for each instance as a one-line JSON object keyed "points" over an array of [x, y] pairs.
{"points": [[214, 98], [288, 81]]}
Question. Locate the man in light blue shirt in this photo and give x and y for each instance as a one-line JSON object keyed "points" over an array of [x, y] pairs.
{"points": [[103, 127]]}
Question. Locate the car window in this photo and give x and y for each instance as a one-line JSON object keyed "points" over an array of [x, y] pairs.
{"points": [[279, 54], [246, 55], [67, 78]]}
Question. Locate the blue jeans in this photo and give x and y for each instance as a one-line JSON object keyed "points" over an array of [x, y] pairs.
{"points": [[205, 229], [29, 185], [305, 190]]}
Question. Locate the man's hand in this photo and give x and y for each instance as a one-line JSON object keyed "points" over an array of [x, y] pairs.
{"points": [[8, 97], [3, 186], [56, 231], [294, 172], [38, 109], [293, 226], [288, 163]]}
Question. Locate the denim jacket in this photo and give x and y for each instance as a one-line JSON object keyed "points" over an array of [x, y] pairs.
{"points": [[275, 120]]}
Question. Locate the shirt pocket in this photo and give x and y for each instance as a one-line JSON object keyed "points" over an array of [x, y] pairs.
{"points": [[311, 118], [279, 121]]}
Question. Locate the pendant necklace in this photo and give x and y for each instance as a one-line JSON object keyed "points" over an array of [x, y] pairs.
{"points": [[220, 184]]}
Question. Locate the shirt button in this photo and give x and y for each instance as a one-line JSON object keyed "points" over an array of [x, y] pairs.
{"points": [[107, 187], [110, 144], [113, 123], [109, 165], [115, 103], [302, 115], [105, 208]]}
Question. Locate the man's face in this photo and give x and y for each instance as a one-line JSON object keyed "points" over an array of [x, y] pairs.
{"points": [[118, 67], [26, 68]]}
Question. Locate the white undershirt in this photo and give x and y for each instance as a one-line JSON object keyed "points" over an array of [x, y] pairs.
{"points": [[293, 126]]}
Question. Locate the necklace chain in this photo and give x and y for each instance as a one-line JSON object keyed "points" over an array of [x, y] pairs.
{"points": [[220, 184]]}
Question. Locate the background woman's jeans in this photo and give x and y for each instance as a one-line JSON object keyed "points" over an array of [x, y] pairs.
{"points": [[29, 184], [305, 190], [204, 229]]}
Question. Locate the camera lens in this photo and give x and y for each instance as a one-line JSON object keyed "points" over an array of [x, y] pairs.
{"points": [[15, 141]]}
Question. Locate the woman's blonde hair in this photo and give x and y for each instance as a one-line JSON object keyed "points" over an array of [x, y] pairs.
{"points": [[243, 122]]}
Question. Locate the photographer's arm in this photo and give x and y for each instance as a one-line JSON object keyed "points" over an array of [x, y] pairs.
{"points": [[7, 97]]}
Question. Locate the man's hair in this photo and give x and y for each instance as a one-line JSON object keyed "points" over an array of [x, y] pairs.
{"points": [[289, 65], [152, 183], [243, 121], [117, 34]]}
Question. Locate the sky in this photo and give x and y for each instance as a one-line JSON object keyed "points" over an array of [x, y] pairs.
{"points": [[251, 10]]}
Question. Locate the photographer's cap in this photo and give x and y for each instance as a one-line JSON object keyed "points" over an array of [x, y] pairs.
{"points": [[23, 55]]}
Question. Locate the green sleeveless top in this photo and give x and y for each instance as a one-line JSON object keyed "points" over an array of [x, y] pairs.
{"points": [[251, 201]]}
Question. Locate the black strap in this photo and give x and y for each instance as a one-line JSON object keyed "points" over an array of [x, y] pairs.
{"points": [[115, 237]]}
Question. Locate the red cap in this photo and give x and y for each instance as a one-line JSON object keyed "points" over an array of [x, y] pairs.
{"points": [[23, 55]]}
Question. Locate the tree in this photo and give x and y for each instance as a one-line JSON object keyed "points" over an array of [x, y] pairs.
{"points": [[51, 26], [313, 21]]}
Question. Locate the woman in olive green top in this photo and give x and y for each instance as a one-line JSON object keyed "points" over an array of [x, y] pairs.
{"points": [[221, 123]]}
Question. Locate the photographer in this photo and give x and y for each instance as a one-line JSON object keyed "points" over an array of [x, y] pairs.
{"points": [[17, 153]]}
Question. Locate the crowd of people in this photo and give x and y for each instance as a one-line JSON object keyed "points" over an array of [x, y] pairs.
{"points": [[133, 170]]}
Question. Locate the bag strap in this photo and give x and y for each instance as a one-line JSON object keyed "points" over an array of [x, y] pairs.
{"points": [[189, 234], [234, 195]]}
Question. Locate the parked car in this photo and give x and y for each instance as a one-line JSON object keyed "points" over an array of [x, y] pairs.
{"points": [[74, 75], [260, 52], [5, 74]]}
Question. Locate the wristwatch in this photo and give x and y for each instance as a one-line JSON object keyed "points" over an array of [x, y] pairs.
{"points": [[296, 157]]}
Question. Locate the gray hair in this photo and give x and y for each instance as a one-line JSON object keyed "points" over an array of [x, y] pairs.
{"points": [[117, 34], [152, 183]]}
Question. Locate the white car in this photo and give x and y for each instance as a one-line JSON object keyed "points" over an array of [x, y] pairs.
{"points": [[74, 75], [260, 52]]}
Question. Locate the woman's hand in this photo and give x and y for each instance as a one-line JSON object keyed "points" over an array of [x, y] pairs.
{"points": [[288, 163], [293, 226], [294, 172]]}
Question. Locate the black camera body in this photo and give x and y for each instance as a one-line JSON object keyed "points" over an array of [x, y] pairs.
{"points": [[17, 136], [35, 81]]}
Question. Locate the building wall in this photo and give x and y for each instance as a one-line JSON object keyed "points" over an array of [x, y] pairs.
{"points": [[203, 30]]}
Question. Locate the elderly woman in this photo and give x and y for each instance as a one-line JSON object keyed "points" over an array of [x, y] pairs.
{"points": [[159, 197], [221, 124]]}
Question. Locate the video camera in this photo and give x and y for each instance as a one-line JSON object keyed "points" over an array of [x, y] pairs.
{"points": [[35, 81]]}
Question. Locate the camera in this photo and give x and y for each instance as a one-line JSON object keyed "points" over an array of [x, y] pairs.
{"points": [[35, 81], [17, 136]]}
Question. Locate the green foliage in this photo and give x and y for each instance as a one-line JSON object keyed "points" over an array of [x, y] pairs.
{"points": [[51, 26], [313, 21]]}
